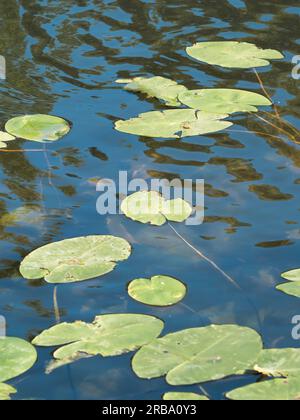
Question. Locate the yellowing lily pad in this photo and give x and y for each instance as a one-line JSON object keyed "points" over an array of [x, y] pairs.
{"points": [[223, 101], [75, 259], [6, 391], [16, 357], [177, 123], [108, 335], [199, 355], [39, 127], [184, 396], [293, 287], [233, 54], [274, 390], [279, 362], [156, 87], [151, 207], [157, 291]]}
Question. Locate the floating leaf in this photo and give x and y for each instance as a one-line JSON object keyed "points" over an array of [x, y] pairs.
{"points": [[76, 259], [184, 396], [151, 207], [279, 362], [199, 354], [16, 357], [293, 288], [156, 87], [108, 335], [5, 137], [3, 145], [38, 127], [223, 101], [274, 390], [233, 54], [175, 123], [157, 291], [6, 391]]}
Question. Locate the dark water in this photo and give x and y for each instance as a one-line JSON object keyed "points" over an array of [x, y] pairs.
{"points": [[63, 58]]}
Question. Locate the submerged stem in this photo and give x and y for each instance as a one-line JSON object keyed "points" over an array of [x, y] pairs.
{"points": [[227, 276], [56, 307]]}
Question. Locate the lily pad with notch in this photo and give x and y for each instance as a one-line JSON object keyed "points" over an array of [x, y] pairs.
{"points": [[75, 259]]}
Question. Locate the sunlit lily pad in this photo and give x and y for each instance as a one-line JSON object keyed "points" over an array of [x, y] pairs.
{"points": [[6, 391], [157, 291], [233, 54], [223, 101], [156, 87], [184, 396], [177, 123], [151, 207], [293, 287], [279, 362], [108, 335], [199, 355], [273, 390], [38, 127], [16, 357], [4, 138], [75, 259]]}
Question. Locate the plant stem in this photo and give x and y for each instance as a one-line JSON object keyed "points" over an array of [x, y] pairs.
{"points": [[215, 266], [56, 307], [266, 93]]}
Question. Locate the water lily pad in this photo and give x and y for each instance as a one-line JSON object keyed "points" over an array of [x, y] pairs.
{"points": [[6, 391], [199, 354], [151, 207], [108, 335], [16, 357], [75, 259], [157, 291], [293, 287], [184, 396], [156, 87], [233, 54], [5, 137], [3, 145], [274, 390], [223, 101], [279, 362], [38, 127], [177, 123]]}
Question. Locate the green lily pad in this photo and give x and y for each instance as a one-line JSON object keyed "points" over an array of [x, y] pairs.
{"points": [[156, 87], [292, 275], [6, 391], [233, 54], [5, 137], [108, 335], [223, 101], [38, 127], [177, 123], [3, 145], [157, 291], [16, 357], [279, 362], [199, 355], [75, 259], [274, 390], [184, 396], [151, 207], [293, 287]]}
